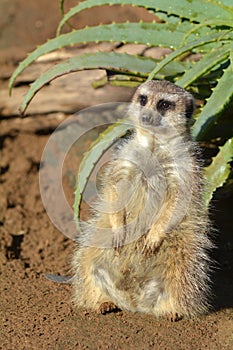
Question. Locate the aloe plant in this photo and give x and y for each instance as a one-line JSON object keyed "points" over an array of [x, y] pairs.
{"points": [[200, 26]]}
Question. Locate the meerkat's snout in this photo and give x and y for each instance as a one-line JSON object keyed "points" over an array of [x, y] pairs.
{"points": [[150, 117]]}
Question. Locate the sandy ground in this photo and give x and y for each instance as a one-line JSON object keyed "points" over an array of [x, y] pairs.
{"points": [[38, 314]]}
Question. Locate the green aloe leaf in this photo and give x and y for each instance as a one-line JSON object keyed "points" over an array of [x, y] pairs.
{"points": [[219, 170], [157, 34], [219, 98], [216, 37], [134, 65], [61, 7], [62, 11], [198, 10], [203, 66], [105, 140]]}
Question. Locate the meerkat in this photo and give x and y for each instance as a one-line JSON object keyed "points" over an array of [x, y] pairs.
{"points": [[145, 248]]}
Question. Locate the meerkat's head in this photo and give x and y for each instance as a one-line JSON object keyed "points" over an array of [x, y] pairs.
{"points": [[160, 105]]}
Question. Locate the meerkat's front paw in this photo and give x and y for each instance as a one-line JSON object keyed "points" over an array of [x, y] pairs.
{"points": [[174, 317], [118, 241], [152, 244], [108, 307]]}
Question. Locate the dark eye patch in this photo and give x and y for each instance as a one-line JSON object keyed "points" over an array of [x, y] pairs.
{"points": [[142, 99], [164, 105]]}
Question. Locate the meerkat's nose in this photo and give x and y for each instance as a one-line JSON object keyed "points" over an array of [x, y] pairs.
{"points": [[150, 117]]}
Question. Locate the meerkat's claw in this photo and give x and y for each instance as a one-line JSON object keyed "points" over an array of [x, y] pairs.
{"points": [[118, 240], [149, 249], [107, 307], [174, 317]]}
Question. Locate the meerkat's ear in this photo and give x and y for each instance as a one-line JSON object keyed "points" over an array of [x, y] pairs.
{"points": [[189, 108]]}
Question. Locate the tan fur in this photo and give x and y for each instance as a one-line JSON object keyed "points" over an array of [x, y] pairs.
{"points": [[145, 248]]}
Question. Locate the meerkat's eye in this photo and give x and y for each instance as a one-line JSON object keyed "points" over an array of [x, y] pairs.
{"points": [[164, 105], [142, 99]]}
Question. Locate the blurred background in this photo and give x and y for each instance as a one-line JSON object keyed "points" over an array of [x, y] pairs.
{"points": [[26, 24]]}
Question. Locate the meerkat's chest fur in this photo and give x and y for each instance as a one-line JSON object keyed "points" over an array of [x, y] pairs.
{"points": [[167, 170]]}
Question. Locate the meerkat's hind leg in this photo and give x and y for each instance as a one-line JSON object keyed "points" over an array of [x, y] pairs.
{"points": [[104, 308], [89, 295]]}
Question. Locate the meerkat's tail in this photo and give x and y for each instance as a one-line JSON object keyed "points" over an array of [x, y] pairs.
{"points": [[59, 279]]}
